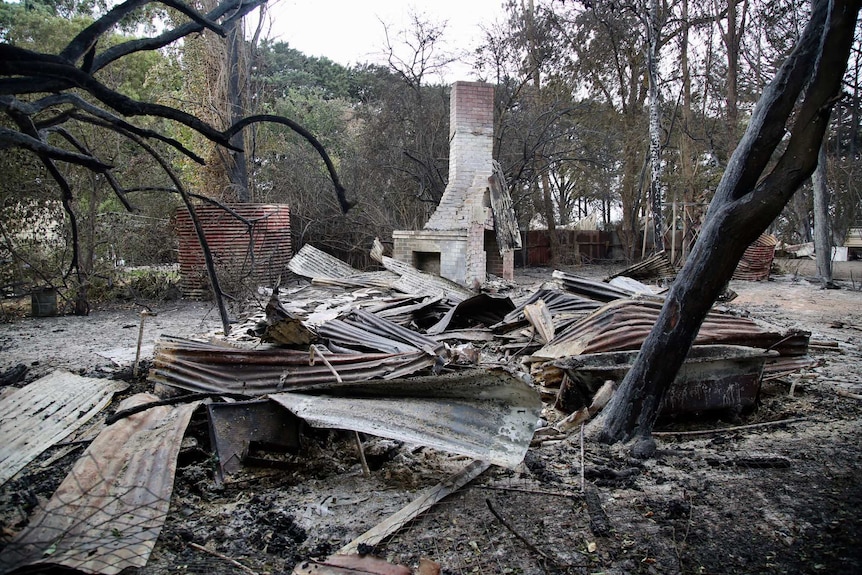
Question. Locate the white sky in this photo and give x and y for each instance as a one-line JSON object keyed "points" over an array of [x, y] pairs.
{"points": [[352, 31]]}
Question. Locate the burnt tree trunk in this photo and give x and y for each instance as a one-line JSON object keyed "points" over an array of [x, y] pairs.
{"points": [[745, 202], [822, 229]]}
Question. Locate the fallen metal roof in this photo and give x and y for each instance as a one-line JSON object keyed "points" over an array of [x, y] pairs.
{"points": [[362, 331], [598, 291], [107, 513], [314, 263], [558, 302], [624, 324], [44, 412], [656, 266], [213, 368], [485, 309], [485, 414]]}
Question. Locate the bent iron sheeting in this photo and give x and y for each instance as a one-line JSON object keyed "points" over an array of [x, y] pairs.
{"points": [[486, 415], [208, 367], [108, 512], [37, 416]]}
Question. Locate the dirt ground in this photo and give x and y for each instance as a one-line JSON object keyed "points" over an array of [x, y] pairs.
{"points": [[778, 498]]}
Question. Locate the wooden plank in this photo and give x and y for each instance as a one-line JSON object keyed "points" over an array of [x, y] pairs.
{"points": [[427, 499]]}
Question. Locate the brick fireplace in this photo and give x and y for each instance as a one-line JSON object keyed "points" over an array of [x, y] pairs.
{"points": [[459, 242]]}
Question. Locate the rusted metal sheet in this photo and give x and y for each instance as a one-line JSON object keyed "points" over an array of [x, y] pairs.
{"points": [[213, 368], [363, 331], [657, 266], [624, 324], [107, 513], [489, 415], [712, 377], [236, 425], [598, 291], [756, 262], [260, 251], [44, 412]]}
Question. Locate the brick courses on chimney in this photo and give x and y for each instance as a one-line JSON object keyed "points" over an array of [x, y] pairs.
{"points": [[454, 242]]}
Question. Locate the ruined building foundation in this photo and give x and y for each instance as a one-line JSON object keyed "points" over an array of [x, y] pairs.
{"points": [[459, 242]]}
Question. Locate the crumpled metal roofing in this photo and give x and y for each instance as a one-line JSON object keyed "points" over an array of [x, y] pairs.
{"points": [[485, 414], [418, 282], [558, 302], [107, 513], [482, 308], [624, 324], [218, 368], [656, 266], [591, 289], [44, 412], [312, 263], [361, 330], [756, 262]]}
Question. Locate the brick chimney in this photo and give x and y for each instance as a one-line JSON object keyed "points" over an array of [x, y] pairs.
{"points": [[458, 241]]}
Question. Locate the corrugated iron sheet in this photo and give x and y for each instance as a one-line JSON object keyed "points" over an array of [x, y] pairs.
{"points": [[591, 289], [44, 412], [107, 513], [657, 266], [624, 324], [260, 253], [313, 263], [558, 302], [364, 331], [418, 282], [756, 262], [213, 368], [487, 415]]}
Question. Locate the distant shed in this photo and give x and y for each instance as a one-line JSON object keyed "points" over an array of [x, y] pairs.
{"points": [[254, 255]]}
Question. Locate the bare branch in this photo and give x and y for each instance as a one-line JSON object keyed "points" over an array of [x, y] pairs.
{"points": [[13, 138], [309, 137]]}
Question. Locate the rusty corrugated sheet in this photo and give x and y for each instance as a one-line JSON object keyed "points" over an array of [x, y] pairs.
{"points": [[624, 324], [213, 368], [756, 262], [591, 289], [484, 414], [44, 412], [107, 513], [261, 253]]}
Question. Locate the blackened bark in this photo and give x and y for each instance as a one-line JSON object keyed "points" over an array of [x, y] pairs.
{"points": [[744, 205], [822, 229]]}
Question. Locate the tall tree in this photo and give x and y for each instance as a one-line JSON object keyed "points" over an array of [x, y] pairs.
{"points": [[757, 183]]}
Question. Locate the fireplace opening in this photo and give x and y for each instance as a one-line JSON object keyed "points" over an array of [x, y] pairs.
{"points": [[427, 262]]}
